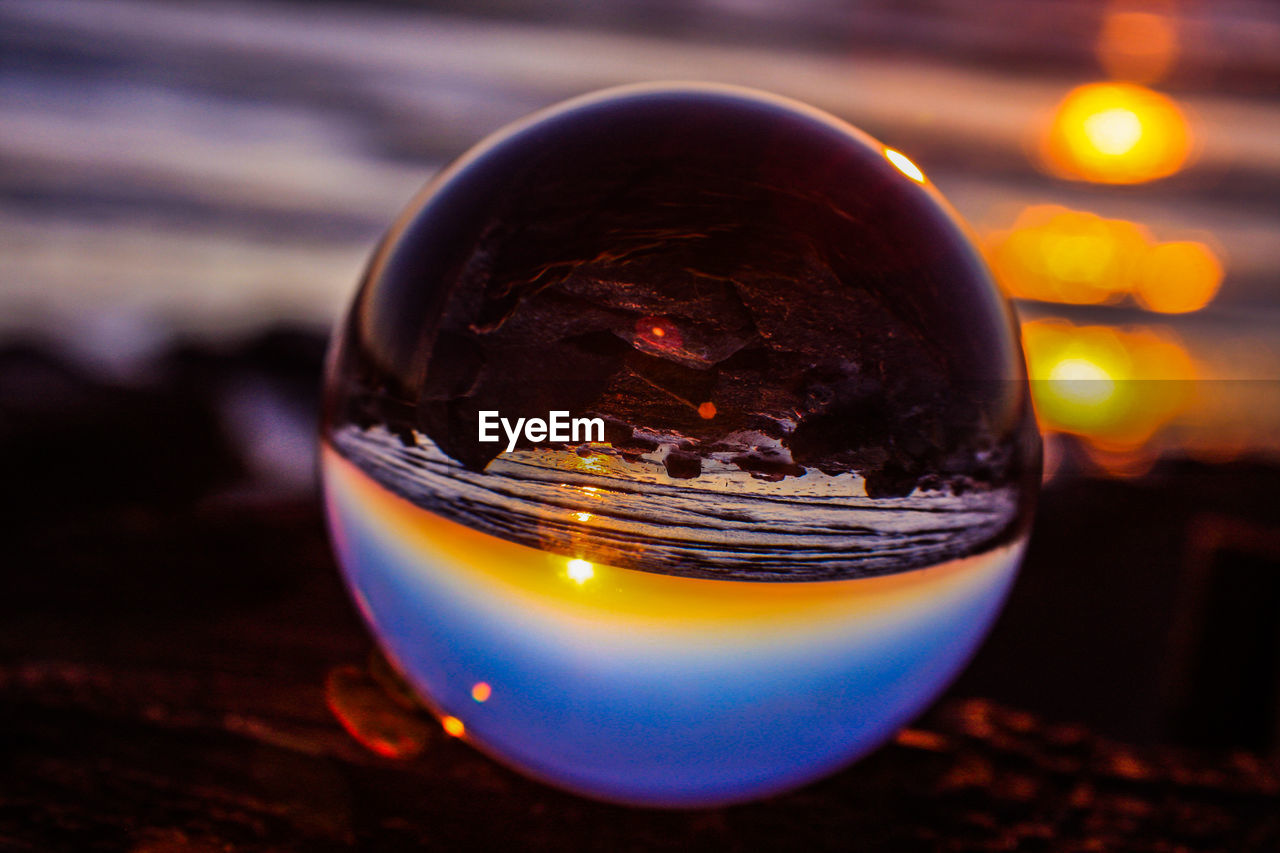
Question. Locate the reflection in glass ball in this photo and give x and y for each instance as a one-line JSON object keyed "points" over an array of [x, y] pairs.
{"points": [[817, 466]]}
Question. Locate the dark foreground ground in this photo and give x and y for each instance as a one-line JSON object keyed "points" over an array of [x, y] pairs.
{"points": [[174, 634]]}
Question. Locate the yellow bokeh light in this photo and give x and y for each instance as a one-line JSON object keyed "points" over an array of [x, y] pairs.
{"points": [[904, 165], [584, 517], [1178, 277], [580, 571], [1114, 387], [453, 726], [1081, 381], [481, 691], [1116, 133]]}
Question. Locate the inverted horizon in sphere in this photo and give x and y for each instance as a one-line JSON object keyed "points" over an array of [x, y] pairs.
{"points": [[646, 688], [818, 461]]}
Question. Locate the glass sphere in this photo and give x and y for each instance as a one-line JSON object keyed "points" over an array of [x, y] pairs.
{"points": [[796, 460]]}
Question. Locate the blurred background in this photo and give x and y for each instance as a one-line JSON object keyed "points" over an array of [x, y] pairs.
{"points": [[188, 193]]}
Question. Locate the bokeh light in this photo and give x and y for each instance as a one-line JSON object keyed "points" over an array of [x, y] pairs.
{"points": [[1081, 381], [1114, 387], [1054, 254], [1137, 43], [1116, 133], [1178, 277]]}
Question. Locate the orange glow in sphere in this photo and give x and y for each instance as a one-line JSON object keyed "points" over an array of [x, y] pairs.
{"points": [[677, 447]]}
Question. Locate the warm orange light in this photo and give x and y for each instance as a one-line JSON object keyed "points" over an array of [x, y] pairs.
{"points": [[707, 410], [1125, 462], [921, 739], [1178, 277], [580, 571], [1116, 133], [481, 691], [904, 165], [658, 332], [453, 726], [372, 716], [1053, 254], [1137, 45], [584, 517]]}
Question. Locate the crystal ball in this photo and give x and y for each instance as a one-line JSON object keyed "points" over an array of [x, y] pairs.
{"points": [[677, 447]]}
